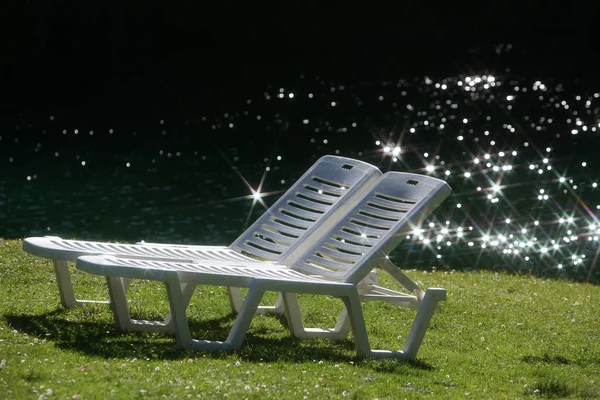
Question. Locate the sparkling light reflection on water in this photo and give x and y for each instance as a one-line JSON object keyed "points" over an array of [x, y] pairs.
{"points": [[518, 153]]}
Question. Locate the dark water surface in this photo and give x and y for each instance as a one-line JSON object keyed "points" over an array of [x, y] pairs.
{"points": [[519, 150]]}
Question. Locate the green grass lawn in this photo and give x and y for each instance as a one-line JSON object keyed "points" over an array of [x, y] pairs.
{"points": [[499, 336]]}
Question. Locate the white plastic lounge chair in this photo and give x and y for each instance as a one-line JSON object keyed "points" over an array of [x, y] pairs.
{"points": [[320, 197], [334, 266]]}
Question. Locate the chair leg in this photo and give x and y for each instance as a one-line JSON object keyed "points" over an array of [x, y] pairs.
{"points": [[187, 290], [242, 322], [343, 326], [118, 303], [126, 283], [178, 305], [236, 300], [417, 331], [357, 321], [294, 315], [120, 307], [296, 326], [402, 278], [419, 327], [278, 308], [65, 286], [238, 331]]}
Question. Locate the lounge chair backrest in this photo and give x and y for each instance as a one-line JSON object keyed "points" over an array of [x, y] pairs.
{"points": [[374, 227], [320, 197]]}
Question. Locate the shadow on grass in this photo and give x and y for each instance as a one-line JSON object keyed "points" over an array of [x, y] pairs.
{"points": [[104, 340], [560, 360], [554, 388]]}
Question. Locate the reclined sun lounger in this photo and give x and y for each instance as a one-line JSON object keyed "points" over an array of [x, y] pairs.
{"points": [[334, 265], [324, 193]]}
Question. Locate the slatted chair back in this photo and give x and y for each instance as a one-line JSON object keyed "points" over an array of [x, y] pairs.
{"points": [[374, 226], [317, 199]]}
